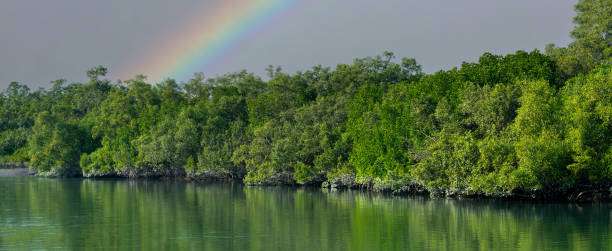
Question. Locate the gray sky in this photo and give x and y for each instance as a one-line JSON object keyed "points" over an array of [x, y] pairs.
{"points": [[42, 40]]}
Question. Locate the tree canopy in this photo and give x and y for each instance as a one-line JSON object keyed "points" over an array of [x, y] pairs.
{"points": [[523, 121]]}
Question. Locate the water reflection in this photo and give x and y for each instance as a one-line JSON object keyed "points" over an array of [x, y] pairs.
{"points": [[51, 213]]}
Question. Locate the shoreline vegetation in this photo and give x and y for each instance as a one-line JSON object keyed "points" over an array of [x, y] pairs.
{"points": [[584, 193], [526, 125]]}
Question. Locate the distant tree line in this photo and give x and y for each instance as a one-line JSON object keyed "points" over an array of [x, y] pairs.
{"points": [[524, 121]]}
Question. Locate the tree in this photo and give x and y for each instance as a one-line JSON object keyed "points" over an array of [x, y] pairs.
{"points": [[587, 112], [542, 155], [56, 146], [592, 40]]}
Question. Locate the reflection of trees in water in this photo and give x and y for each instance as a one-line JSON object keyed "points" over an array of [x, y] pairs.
{"points": [[176, 215]]}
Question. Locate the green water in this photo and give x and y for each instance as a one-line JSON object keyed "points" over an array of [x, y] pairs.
{"points": [[38, 213]]}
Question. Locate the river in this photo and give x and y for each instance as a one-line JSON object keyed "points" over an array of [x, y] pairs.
{"points": [[40, 213]]}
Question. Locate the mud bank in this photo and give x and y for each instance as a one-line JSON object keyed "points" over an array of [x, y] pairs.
{"points": [[14, 172]]}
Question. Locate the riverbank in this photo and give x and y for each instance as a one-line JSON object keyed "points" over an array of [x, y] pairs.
{"points": [[580, 193], [14, 172], [584, 193]]}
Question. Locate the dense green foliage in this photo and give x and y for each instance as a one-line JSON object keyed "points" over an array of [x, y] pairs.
{"points": [[523, 121], [592, 39]]}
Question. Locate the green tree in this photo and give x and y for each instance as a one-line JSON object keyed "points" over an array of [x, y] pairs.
{"points": [[56, 146], [592, 41], [542, 155], [587, 114]]}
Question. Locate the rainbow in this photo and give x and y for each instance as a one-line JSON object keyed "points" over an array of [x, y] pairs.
{"points": [[205, 38]]}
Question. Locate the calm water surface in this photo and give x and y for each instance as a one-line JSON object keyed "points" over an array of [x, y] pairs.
{"points": [[37, 213]]}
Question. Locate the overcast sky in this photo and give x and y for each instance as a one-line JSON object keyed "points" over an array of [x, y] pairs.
{"points": [[44, 40]]}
